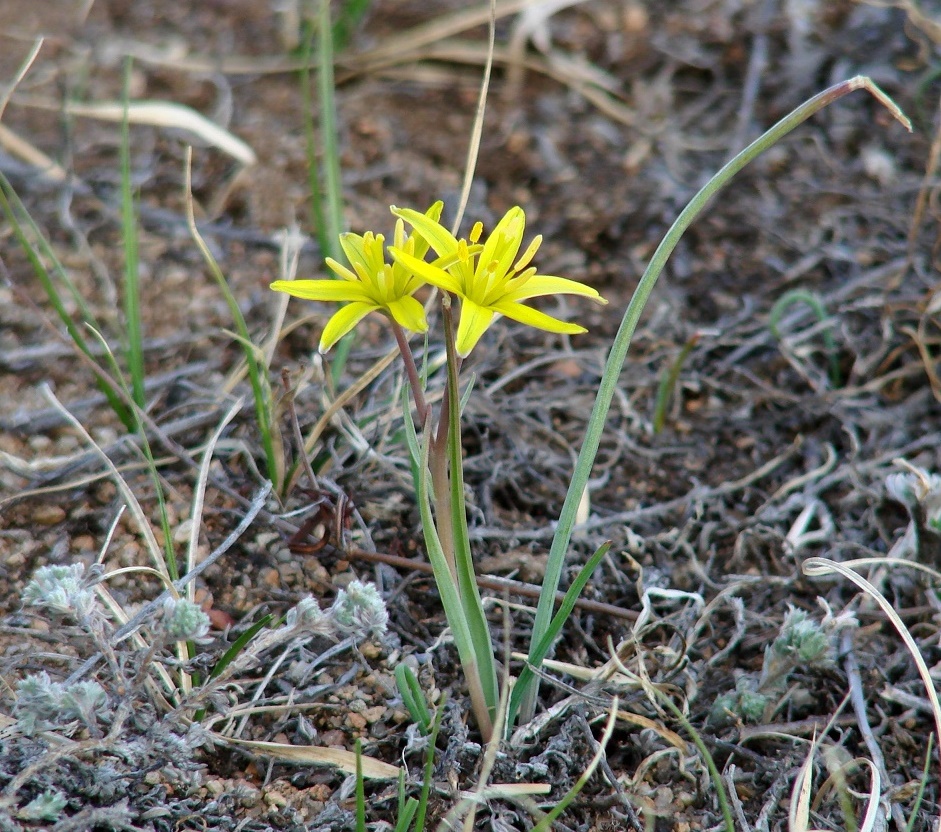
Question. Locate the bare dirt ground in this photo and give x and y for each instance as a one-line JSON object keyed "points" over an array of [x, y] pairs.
{"points": [[774, 449]]}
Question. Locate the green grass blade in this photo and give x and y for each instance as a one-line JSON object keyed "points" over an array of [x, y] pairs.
{"points": [[232, 653], [429, 768], [239, 645], [18, 216], [413, 697], [257, 374], [668, 383], [540, 650], [545, 824], [920, 796], [622, 340], [325, 182], [714, 774], [351, 13], [816, 304], [326, 88], [134, 342], [327, 247], [333, 183], [406, 808], [406, 815]]}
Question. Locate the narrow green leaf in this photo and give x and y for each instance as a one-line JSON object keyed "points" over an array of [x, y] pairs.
{"points": [[239, 645], [134, 339], [447, 588], [413, 697], [257, 373], [622, 341], [230, 654], [463, 558], [406, 814], [471, 381], [429, 768], [814, 301], [14, 210], [540, 650]]}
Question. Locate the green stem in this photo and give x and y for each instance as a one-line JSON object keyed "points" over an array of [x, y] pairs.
{"points": [[438, 451], [622, 341], [463, 557]]}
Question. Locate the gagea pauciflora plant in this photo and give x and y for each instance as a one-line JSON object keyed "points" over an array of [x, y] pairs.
{"points": [[488, 277]]}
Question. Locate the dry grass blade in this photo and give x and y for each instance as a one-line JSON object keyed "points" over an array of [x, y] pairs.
{"points": [[530, 21], [798, 815], [495, 791], [199, 494], [32, 155], [837, 781], [820, 567], [158, 114], [438, 29], [156, 552], [317, 756], [20, 74], [662, 731], [474, 146]]}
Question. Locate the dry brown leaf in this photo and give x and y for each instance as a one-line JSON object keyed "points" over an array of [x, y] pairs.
{"points": [[317, 755]]}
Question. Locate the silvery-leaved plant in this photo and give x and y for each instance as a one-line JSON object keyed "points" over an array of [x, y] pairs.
{"points": [[65, 590], [46, 806], [359, 611], [184, 620], [307, 617], [42, 704]]}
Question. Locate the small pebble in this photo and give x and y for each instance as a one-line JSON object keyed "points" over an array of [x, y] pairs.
{"points": [[48, 515], [275, 800]]}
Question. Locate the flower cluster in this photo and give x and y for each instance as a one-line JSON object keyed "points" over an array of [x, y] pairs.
{"points": [[489, 278]]}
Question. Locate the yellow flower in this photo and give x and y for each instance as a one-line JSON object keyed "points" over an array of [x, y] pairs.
{"points": [[372, 285], [486, 278]]}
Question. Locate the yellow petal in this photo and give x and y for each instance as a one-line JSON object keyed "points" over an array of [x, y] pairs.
{"points": [[353, 246], [330, 291], [409, 313], [421, 244], [474, 322], [343, 322], [426, 271], [435, 234], [540, 285], [535, 318]]}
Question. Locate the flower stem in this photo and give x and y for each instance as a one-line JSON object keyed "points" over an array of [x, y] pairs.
{"points": [[438, 451], [414, 380]]}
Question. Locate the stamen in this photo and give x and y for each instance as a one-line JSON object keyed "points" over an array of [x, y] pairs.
{"points": [[528, 255]]}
